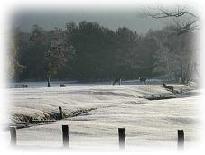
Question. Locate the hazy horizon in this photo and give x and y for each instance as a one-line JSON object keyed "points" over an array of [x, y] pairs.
{"points": [[131, 18]]}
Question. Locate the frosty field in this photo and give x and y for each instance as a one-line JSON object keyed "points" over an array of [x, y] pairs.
{"points": [[95, 112]]}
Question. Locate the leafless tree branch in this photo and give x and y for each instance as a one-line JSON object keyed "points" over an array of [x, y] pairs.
{"points": [[188, 26]]}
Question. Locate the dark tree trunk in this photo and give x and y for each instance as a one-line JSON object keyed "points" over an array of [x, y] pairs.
{"points": [[49, 81]]}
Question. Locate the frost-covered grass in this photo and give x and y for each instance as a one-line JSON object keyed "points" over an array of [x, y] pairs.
{"points": [[94, 112]]}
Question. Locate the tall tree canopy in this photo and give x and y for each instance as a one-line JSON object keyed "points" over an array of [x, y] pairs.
{"points": [[87, 51]]}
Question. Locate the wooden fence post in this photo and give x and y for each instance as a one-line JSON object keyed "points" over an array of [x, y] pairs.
{"points": [[180, 139], [61, 113], [121, 133], [65, 131], [13, 135]]}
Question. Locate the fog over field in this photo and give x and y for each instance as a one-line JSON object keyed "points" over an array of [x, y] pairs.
{"points": [[98, 69]]}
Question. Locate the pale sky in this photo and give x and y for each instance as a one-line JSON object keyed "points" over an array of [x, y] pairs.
{"points": [[110, 17]]}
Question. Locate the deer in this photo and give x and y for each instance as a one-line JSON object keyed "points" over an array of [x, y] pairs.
{"points": [[143, 79], [168, 87], [117, 80]]}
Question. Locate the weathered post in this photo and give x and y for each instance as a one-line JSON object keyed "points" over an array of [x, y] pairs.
{"points": [[13, 135], [61, 113], [65, 131], [180, 139], [121, 133]]}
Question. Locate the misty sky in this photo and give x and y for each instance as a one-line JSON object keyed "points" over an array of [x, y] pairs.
{"points": [[112, 18]]}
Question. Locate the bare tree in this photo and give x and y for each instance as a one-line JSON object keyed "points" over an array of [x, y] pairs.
{"points": [[55, 57], [185, 20]]}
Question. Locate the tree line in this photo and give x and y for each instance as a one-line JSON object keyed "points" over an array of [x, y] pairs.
{"points": [[87, 51]]}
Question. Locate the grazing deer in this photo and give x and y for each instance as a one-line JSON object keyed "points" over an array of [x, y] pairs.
{"points": [[62, 85], [168, 87], [143, 79], [117, 80]]}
